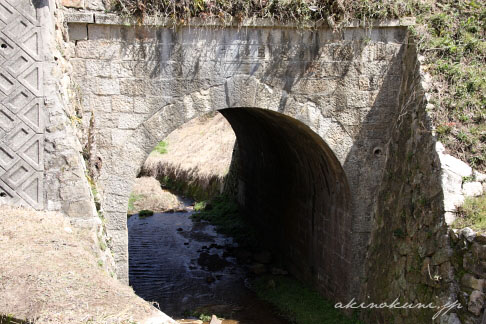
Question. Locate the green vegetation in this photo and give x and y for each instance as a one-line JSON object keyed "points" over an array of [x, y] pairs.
{"points": [[294, 300], [205, 317], [297, 302], [472, 214], [399, 233], [222, 212], [10, 319], [190, 187], [200, 205], [145, 213], [197, 314], [131, 201], [450, 34], [161, 147]]}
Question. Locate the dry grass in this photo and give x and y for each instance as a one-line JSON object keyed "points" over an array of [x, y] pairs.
{"points": [[50, 274], [198, 153], [149, 195]]}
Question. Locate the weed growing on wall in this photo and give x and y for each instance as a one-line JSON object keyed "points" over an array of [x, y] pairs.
{"points": [[161, 147]]}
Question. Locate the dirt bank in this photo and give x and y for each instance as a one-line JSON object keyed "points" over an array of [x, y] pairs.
{"points": [[147, 194], [50, 273], [198, 155]]}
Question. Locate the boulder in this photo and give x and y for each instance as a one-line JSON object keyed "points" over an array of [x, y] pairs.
{"points": [[468, 234], [472, 189], [478, 176], [452, 201], [476, 302], [455, 165], [215, 320], [472, 282], [478, 251]]}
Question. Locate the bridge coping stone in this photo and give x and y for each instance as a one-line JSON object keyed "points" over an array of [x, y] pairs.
{"points": [[114, 19]]}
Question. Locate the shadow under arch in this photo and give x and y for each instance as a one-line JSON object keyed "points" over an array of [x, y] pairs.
{"points": [[294, 189]]}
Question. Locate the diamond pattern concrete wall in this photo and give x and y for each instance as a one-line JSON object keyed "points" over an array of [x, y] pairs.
{"points": [[21, 105]]}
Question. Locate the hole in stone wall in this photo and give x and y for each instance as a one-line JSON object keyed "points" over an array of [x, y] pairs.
{"points": [[377, 151], [3, 46], [3, 194]]}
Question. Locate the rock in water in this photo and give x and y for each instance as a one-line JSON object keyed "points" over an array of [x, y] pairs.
{"points": [[215, 320]]}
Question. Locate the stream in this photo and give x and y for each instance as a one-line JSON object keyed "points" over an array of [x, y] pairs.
{"points": [[185, 266]]}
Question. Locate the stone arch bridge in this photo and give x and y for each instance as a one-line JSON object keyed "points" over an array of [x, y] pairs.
{"points": [[312, 110]]}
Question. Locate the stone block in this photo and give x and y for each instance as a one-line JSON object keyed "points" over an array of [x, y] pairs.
{"points": [[106, 86], [480, 238], [80, 209], [112, 19], [123, 69], [117, 185], [478, 176], [472, 282], [115, 204], [130, 121], [472, 189], [476, 302], [479, 251], [449, 217], [96, 68], [79, 67], [102, 32], [73, 3], [73, 191], [78, 32], [78, 17], [119, 136], [455, 165], [121, 103], [100, 104], [468, 234], [451, 181], [95, 4], [452, 201], [132, 87]]}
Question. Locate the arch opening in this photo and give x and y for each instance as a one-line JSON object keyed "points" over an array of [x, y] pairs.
{"points": [[294, 192]]}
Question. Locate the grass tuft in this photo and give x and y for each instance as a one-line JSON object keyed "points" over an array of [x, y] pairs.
{"points": [[200, 205], [131, 201], [472, 214], [161, 147], [145, 213], [297, 302]]}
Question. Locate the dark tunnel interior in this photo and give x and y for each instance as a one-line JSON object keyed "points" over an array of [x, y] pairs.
{"points": [[295, 191]]}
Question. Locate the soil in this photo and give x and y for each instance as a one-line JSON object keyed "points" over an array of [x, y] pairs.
{"points": [[50, 272]]}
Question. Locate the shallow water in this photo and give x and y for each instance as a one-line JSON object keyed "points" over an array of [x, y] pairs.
{"points": [[183, 266]]}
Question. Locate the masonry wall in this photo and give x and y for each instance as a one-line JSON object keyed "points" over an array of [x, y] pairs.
{"points": [[409, 252], [140, 83], [41, 165]]}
